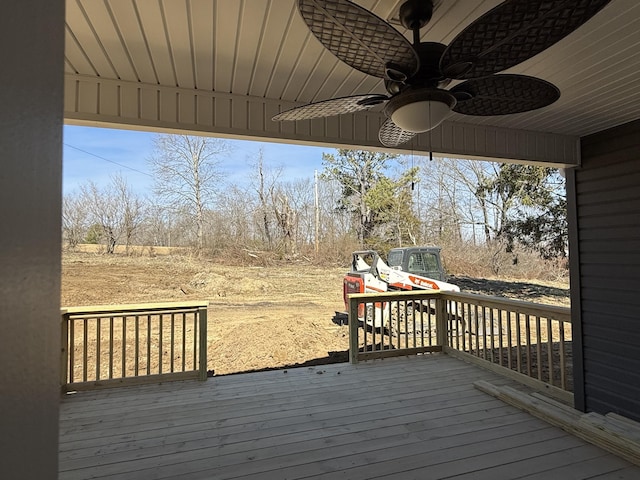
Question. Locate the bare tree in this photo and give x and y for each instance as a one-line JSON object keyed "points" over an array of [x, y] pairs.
{"points": [[115, 208], [264, 185], [75, 216], [187, 174], [287, 220], [236, 212], [132, 209], [300, 196], [157, 226]]}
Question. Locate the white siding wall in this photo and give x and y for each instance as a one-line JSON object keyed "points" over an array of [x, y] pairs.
{"points": [[90, 100]]}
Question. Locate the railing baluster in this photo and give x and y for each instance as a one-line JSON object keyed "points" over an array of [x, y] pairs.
{"points": [[410, 308], [446, 322], [202, 317], [476, 325], [387, 306], [451, 313], [484, 332], [354, 307], [160, 346], [136, 363], [509, 340], [539, 347], [148, 344], [71, 342], [450, 326], [124, 346], [462, 322], [85, 346], [414, 322], [519, 342], [431, 318], [405, 322], [195, 341], [398, 323], [469, 327], [528, 334], [563, 376], [421, 310], [500, 336], [110, 348], [365, 336], [373, 323], [184, 341], [377, 312], [455, 321], [173, 325], [550, 350], [453, 325], [98, 339], [492, 334], [381, 312]]}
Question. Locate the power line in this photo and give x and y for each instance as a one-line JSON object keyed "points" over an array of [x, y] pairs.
{"points": [[107, 160]]}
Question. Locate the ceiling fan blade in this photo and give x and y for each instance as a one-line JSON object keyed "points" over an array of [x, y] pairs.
{"points": [[513, 32], [335, 106], [503, 94], [359, 38], [391, 135]]}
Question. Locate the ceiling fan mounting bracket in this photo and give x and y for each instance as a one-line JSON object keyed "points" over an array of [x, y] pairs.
{"points": [[415, 14]]}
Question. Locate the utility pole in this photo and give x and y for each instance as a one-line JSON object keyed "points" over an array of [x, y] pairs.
{"points": [[317, 212]]}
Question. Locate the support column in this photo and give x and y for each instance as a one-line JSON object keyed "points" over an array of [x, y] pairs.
{"points": [[31, 106]]}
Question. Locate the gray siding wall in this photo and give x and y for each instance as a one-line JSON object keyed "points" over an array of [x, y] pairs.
{"points": [[607, 230]]}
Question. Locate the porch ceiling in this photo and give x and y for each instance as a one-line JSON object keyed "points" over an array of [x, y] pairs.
{"points": [[261, 49]]}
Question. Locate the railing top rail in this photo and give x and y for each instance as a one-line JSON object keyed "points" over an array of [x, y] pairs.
{"points": [[393, 295], [559, 313], [126, 313], [139, 307]]}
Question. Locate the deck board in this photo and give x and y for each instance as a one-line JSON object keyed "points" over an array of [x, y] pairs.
{"points": [[411, 417]]}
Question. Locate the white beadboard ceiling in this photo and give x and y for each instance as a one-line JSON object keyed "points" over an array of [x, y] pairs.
{"points": [[262, 48]]}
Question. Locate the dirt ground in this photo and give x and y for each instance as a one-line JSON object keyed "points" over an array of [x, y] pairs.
{"points": [[259, 317]]}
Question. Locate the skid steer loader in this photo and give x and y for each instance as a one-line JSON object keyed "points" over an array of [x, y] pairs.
{"points": [[409, 268]]}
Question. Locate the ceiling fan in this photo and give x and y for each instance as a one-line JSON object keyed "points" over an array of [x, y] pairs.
{"points": [[416, 74]]}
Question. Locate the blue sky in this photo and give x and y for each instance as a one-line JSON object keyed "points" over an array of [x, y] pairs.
{"points": [[95, 154]]}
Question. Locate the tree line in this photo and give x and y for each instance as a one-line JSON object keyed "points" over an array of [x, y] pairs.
{"points": [[360, 199]]}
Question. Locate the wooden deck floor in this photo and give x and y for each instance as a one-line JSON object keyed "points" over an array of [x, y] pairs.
{"points": [[416, 417]]}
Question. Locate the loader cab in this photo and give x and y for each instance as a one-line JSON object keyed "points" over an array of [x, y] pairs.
{"points": [[423, 261]]}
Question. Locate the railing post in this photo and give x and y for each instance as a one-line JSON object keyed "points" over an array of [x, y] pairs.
{"points": [[64, 351], [353, 330], [441, 321], [202, 317]]}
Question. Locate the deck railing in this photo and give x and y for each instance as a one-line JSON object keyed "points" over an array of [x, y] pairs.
{"points": [[132, 344], [526, 340], [395, 324], [529, 339]]}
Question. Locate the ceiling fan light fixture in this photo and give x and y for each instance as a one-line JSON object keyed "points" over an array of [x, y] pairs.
{"points": [[421, 110]]}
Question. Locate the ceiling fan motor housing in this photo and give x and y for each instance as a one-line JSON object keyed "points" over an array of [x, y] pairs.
{"points": [[415, 14]]}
